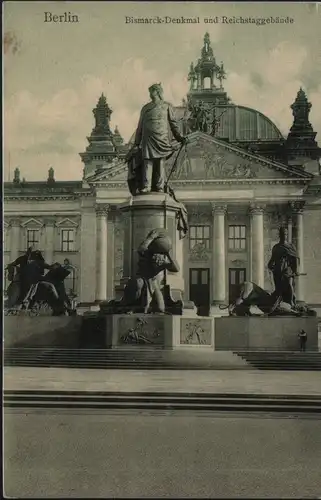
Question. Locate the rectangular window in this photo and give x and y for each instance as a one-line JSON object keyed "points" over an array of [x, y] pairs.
{"points": [[199, 235], [237, 237], [32, 238], [67, 240], [237, 277]]}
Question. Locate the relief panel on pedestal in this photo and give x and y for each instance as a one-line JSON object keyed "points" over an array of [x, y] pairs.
{"points": [[196, 331], [140, 330]]}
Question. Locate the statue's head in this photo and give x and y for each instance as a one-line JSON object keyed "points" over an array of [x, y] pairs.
{"points": [[283, 234], [156, 90]]}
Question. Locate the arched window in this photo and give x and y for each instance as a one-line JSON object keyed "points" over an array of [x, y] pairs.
{"points": [[207, 83]]}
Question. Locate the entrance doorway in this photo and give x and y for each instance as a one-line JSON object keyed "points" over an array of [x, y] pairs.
{"points": [[236, 277], [199, 289]]}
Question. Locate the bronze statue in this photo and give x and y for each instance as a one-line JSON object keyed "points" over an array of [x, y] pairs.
{"points": [[270, 304], [152, 144], [284, 266], [30, 285], [142, 293]]}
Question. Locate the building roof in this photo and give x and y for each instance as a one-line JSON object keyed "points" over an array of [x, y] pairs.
{"points": [[240, 123]]}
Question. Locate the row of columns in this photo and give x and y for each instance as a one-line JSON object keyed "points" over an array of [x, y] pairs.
{"points": [[257, 258], [219, 212]]}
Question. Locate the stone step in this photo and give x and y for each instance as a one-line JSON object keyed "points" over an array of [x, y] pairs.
{"points": [[149, 359], [282, 360], [162, 401], [113, 358]]}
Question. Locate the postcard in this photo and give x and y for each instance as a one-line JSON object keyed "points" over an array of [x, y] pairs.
{"points": [[161, 249]]}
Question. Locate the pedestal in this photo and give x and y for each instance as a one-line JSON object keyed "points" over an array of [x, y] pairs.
{"points": [[265, 333], [158, 331], [143, 214]]}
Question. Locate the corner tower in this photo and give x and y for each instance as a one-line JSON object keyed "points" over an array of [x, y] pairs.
{"points": [[300, 143], [104, 145]]}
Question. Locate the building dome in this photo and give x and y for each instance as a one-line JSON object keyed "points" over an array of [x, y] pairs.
{"points": [[240, 123]]}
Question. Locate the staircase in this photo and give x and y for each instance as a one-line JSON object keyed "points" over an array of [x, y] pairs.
{"points": [[159, 359], [153, 401], [282, 360], [124, 359]]}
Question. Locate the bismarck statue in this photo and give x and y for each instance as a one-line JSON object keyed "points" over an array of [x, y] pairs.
{"points": [[284, 266], [143, 292], [152, 144]]}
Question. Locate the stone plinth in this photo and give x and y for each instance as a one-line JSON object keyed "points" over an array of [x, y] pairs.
{"points": [[42, 331], [158, 331], [141, 215], [265, 333]]}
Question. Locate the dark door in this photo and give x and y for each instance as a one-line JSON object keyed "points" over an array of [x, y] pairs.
{"points": [[199, 289], [236, 277]]}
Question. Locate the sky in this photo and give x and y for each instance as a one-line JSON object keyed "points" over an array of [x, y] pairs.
{"points": [[54, 73]]}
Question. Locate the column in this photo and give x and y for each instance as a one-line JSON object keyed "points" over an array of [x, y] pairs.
{"points": [[14, 239], [290, 229], [102, 251], [88, 251], [299, 285], [219, 255], [49, 240], [257, 244]]}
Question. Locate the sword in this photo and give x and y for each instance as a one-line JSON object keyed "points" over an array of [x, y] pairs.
{"points": [[174, 166]]}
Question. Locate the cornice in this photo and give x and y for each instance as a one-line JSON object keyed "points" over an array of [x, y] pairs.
{"points": [[213, 182], [39, 198], [50, 196]]}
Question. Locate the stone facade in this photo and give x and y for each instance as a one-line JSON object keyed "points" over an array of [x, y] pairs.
{"points": [[236, 178], [90, 217]]}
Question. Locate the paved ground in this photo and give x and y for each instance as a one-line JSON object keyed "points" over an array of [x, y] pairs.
{"points": [[117, 456], [234, 381]]}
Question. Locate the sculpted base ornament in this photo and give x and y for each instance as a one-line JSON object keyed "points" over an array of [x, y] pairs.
{"points": [[143, 292]]}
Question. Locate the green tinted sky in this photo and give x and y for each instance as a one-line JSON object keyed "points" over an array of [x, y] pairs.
{"points": [[54, 79]]}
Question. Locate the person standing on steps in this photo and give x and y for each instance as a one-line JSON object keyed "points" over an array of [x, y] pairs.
{"points": [[303, 339]]}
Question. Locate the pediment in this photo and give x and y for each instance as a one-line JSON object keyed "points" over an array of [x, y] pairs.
{"points": [[206, 158], [209, 159], [32, 223], [66, 223], [116, 172]]}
